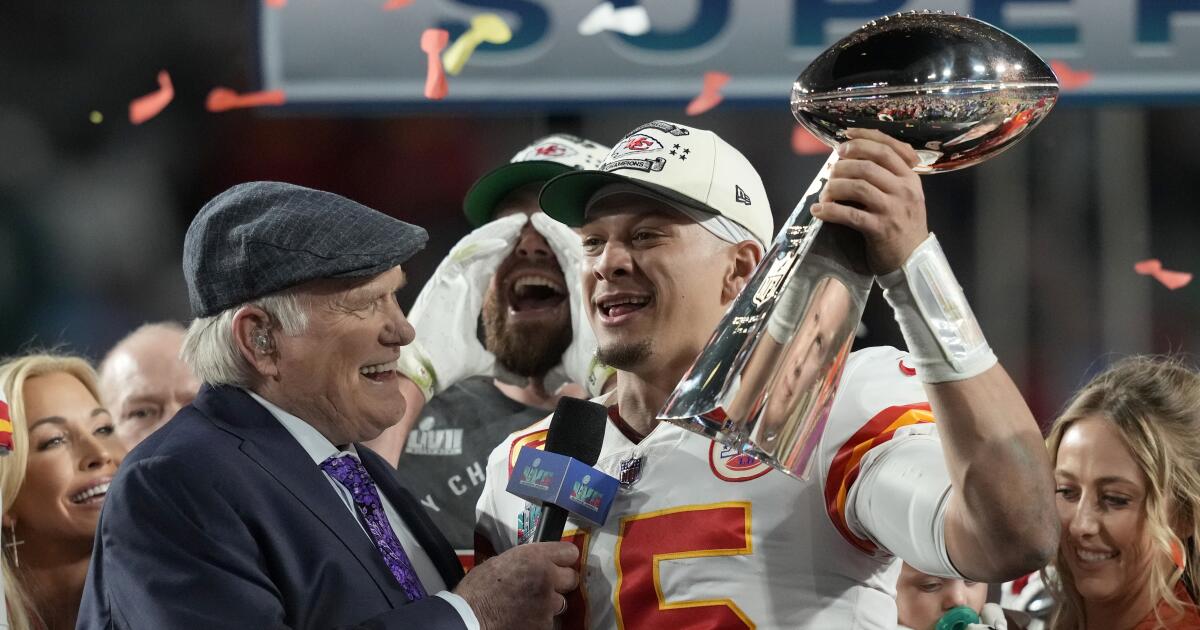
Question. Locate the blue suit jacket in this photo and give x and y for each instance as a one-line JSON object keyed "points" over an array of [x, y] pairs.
{"points": [[221, 520]]}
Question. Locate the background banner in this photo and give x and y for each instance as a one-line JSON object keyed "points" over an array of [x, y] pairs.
{"points": [[355, 52]]}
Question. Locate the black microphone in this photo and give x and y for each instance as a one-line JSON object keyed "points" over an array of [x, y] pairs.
{"points": [[576, 431]]}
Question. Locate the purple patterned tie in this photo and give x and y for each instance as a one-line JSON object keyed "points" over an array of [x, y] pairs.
{"points": [[349, 472]]}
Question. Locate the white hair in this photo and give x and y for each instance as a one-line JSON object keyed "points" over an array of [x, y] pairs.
{"points": [[210, 349]]}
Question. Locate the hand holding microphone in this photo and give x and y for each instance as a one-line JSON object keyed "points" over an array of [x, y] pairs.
{"points": [[526, 587]]}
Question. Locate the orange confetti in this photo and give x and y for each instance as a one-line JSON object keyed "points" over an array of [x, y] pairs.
{"points": [[710, 94], [392, 5], [222, 99], [276, 4], [433, 42], [144, 108], [1170, 279], [805, 143], [1070, 78]]}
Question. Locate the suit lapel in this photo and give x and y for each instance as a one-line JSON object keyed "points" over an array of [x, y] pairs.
{"points": [[431, 540], [265, 441]]}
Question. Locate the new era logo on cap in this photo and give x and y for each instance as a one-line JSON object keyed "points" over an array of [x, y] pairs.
{"points": [[740, 195], [692, 166]]}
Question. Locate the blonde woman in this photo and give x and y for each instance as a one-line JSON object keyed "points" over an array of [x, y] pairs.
{"points": [[53, 485], [1126, 458]]}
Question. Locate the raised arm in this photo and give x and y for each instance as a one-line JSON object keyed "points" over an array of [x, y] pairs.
{"points": [[999, 519]]}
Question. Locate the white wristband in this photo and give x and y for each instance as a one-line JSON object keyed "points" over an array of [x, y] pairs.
{"points": [[941, 332]]}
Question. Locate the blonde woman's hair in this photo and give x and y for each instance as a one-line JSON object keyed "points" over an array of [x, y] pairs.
{"points": [[13, 373], [1154, 403]]}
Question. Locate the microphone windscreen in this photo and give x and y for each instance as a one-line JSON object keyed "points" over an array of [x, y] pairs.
{"points": [[577, 429]]}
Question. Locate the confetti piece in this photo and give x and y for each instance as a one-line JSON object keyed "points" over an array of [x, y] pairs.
{"points": [[1170, 279], [629, 20], [485, 28], [710, 95], [433, 42], [1070, 78], [96, 117], [805, 143], [224, 99], [144, 108], [276, 4], [1148, 267], [392, 5]]}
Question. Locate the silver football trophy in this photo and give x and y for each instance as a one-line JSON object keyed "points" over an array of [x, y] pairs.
{"points": [[956, 89]]}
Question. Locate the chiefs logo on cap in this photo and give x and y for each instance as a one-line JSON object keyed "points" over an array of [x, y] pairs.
{"points": [[553, 149], [636, 143], [730, 465]]}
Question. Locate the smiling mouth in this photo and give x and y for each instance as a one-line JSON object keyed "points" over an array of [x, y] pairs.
{"points": [[617, 307], [380, 372], [92, 495], [1091, 557], [534, 292]]}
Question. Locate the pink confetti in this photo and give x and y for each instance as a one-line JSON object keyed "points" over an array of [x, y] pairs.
{"points": [[144, 108], [224, 99], [276, 4], [710, 95], [433, 42], [1170, 279], [1070, 78], [805, 143], [392, 5]]}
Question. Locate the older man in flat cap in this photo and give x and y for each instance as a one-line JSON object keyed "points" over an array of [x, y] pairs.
{"points": [[255, 507]]}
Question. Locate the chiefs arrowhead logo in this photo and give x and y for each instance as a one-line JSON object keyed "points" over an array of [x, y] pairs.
{"points": [[636, 143], [730, 465], [553, 149]]}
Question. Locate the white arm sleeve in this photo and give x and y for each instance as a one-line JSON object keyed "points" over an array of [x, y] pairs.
{"points": [[899, 499]]}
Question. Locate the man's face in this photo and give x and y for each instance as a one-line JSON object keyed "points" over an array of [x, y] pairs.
{"points": [[144, 383], [526, 314], [340, 374], [653, 281]]}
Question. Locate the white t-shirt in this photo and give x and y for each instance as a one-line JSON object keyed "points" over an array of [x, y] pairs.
{"points": [[705, 538]]}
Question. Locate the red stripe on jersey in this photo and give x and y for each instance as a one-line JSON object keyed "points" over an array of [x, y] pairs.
{"points": [[537, 440], [844, 468], [466, 559]]}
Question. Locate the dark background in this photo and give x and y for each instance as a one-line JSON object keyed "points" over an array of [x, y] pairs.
{"points": [[92, 216]]}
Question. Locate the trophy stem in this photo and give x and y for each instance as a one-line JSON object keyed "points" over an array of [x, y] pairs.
{"points": [[727, 385]]}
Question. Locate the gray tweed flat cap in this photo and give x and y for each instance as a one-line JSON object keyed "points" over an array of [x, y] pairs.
{"points": [[261, 237]]}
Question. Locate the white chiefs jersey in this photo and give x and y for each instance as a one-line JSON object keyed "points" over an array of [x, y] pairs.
{"points": [[702, 538]]}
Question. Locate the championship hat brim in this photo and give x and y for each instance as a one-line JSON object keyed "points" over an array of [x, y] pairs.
{"points": [[480, 203], [565, 197]]}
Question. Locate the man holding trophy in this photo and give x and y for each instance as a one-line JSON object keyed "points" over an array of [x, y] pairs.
{"points": [[674, 224]]}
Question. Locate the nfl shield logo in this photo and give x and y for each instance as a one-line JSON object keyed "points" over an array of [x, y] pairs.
{"points": [[631, 471]]}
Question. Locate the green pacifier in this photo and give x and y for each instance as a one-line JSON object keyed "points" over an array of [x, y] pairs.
{"points": [[957, 618]]}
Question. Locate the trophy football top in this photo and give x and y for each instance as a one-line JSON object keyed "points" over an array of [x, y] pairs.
{"points": [[957, 89]]}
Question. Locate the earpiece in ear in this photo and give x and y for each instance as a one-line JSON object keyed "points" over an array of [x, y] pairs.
{"points": [[262, 340]]}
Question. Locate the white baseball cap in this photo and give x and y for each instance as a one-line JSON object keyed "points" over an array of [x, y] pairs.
{"points": [[544, 159], [691, 166]]}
